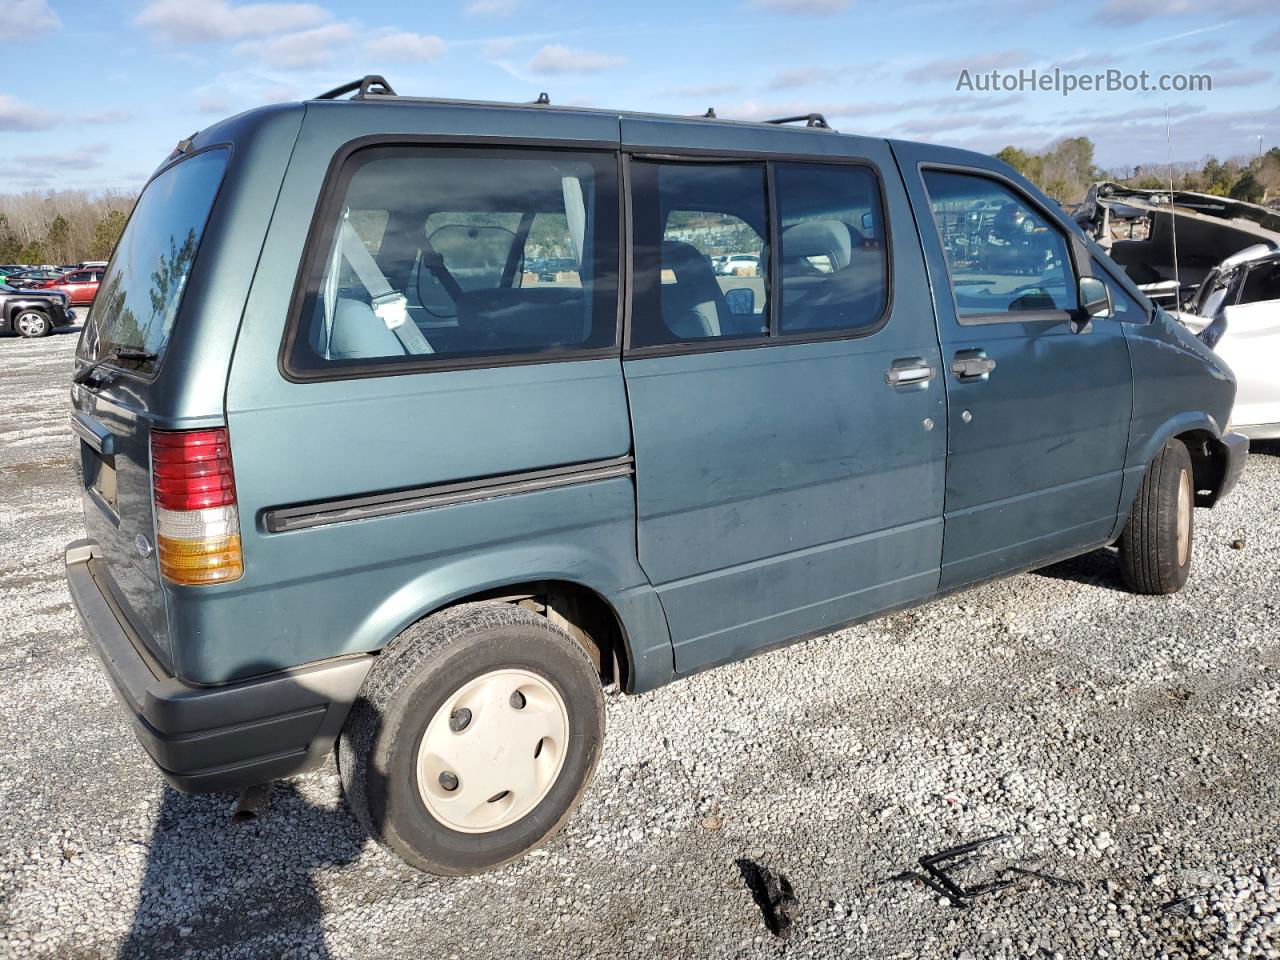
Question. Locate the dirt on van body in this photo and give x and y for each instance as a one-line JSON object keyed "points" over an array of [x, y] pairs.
{"points": [[1127, 747]]}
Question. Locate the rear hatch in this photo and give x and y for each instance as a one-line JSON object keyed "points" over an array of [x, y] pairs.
{"points": [[127, 393]]}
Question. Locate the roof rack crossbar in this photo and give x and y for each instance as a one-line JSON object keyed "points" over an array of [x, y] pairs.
{"points": [[364, 87], [810, 120]]}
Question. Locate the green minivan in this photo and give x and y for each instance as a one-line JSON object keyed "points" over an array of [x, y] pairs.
{"points": [[409, 425]]}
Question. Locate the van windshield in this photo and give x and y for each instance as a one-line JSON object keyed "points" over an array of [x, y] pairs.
{"points": [[142, 290]]}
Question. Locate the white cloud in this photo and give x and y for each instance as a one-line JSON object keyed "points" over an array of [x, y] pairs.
{"points": [[196, 21], [1240, 78], [802, 77], [1137, 11], [28, 16], [88, 157], [106, 116], [555, 58], [402, 47], [305, 48], [948, 68], [213, 101], [704, 90], [808, 8], [491, 8], [18, 117]]}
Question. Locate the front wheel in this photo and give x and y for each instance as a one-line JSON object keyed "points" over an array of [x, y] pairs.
{"points": [[476, 734], [1155, 547], [33, 323]]}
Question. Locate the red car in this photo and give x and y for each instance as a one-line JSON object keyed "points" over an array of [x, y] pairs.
{"points": [[81, 286]]}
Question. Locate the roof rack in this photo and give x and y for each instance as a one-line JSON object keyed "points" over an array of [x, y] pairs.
{"points": [[373, 84], [810, 120]]}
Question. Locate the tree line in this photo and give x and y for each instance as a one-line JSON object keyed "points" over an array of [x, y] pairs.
{"points": [[61, 226], [1066, 168]]}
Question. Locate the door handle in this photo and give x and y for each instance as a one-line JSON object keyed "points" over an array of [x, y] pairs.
{"points": [[906, 372], [972, 365]]}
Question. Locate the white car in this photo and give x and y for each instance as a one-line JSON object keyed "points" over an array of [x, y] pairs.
{"points": [[1236, 312], [739, 265]]}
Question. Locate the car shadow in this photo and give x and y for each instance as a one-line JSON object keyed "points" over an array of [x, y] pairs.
{"points": [[1100, 568], [213, 886], [1266, 448]]}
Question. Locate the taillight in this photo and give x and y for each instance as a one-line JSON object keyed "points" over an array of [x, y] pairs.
{"points": [[197, 524]]}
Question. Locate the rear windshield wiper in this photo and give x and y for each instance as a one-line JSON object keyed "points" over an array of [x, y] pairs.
{"points": [[115, 353]]}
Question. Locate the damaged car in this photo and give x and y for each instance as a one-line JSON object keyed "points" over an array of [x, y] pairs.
{"points": [[1168, 242], [1236, 312], [1214, 263]]}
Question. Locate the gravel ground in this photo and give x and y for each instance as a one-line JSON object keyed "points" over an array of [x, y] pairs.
{"points": [[1126, 745]]}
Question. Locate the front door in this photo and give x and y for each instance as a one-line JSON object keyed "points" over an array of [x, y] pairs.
{"points": [[786, 400], [1039, 408]]}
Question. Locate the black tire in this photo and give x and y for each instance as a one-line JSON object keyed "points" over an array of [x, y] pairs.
{"points": [[411, 680], [30, 322], [1150, 559]]}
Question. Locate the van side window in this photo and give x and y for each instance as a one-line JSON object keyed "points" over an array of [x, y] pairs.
{"points": [[832, 238], [442, 253], [700, 251], [1004, 257]]}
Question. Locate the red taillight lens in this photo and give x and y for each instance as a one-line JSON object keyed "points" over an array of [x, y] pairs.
{"points": [[197, 524], [192, 470]]}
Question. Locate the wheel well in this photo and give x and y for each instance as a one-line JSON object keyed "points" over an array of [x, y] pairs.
{"points": [[1208, 464], [579, 611]]}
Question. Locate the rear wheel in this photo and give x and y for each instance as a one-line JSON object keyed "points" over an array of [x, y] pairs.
{"points": [[1155, 548], [33, 323], [475, 737]]}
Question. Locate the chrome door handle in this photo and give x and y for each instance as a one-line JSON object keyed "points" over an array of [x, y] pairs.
{"points": [[904, 372], [972, 365]]}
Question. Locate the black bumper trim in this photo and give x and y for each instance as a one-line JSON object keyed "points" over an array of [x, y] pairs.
{"points": [[214, 738], [1237, 447]]}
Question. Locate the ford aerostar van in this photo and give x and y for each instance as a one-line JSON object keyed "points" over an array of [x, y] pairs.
{"points": [[410, 424]]}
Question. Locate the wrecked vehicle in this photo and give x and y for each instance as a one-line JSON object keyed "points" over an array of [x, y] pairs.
{"points": [[1138, 229], [1214, 263], [1236, 312], [439, 420]]}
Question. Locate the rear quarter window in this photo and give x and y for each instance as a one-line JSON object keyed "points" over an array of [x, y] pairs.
{"points": [[433, 256], [142, 289]]}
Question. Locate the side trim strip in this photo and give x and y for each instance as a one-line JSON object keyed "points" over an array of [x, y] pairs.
{"points": [[283, 519]]}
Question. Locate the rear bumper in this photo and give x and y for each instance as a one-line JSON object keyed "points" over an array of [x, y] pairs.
{"points": [[226, 737], [1237, 447]]}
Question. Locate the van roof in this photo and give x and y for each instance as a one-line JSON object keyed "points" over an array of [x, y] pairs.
{"points": [[374, 90], [375, 87]]}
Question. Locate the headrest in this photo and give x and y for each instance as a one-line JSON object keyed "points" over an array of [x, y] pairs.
{"points": [[818, 238]]}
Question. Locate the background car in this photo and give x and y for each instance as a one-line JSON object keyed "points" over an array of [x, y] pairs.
{"points": [[33, 313], [739, 265], [81, 286], [27, 279]]}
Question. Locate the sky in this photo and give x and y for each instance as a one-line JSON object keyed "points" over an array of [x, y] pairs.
{"points": [[95, 93]]}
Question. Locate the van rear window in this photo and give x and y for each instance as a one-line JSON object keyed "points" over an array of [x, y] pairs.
{"points": [[142, 289], [432, 254]]}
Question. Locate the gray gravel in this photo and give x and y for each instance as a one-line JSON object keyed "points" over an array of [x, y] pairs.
{"points": [[1126, 744]]}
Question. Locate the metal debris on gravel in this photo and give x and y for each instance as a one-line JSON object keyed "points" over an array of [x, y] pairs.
{"points": [[1038, 707]]}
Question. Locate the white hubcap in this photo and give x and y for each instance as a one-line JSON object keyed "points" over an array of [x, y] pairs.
{"points": [[492, 751], [1184, 517], [31, 323]]}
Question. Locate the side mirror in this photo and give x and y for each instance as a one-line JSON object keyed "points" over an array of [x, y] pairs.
{"points": [[741, 301], [1095, 301], [1095, 298]]}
